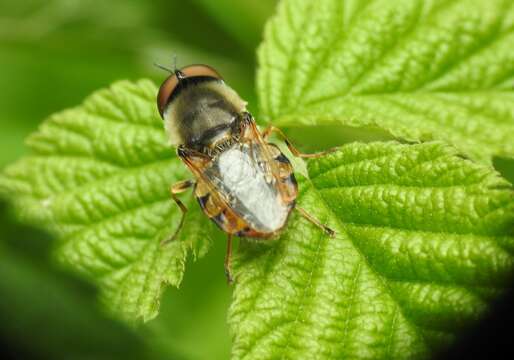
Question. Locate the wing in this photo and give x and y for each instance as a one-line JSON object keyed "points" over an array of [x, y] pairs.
{"points": [[217, 209], [212, 198], [277, 166]]}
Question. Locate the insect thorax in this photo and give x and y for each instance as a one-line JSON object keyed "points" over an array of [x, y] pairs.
{"points": [[203, 113]]}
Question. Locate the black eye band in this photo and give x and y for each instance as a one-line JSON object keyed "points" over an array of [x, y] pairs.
{"points": [[187, 82]]}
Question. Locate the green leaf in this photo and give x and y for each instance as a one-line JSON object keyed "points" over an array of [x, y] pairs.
{"points": [[424, 239], [59, 312], [418, 69], [100, 176]]}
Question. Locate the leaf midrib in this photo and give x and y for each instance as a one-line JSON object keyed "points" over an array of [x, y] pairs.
{"points": [[323, 239]]}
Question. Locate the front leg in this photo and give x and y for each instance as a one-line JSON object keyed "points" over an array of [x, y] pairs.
{"points": [[270, 129], [176, 189]]}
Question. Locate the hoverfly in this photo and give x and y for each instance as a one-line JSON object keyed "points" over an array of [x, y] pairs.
{"points": [[242, 182]]}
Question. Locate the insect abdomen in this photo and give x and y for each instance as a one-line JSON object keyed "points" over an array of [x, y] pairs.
{"points": [[244, 201]]}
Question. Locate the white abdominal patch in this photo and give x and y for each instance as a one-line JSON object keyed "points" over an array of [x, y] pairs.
{"points": [[254, 199]]}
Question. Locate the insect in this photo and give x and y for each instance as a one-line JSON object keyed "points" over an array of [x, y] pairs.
{"points": [[242, 182]]}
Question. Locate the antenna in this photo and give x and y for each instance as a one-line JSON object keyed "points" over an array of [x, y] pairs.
{"points": [[179, 74], [175, 62], [162, 67]]}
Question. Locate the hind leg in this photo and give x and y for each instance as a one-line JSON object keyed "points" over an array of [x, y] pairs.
{"points": [[228, 260], [176, 189], [316, 222]]}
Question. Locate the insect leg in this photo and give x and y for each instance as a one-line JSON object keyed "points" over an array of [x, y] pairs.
{"points": [[316, 222], [270, 129], [175, 189], [228, 260]]}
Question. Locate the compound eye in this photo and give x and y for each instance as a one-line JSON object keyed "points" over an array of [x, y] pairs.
{"points": [[200, 70], [165, 92], [170, 84]]}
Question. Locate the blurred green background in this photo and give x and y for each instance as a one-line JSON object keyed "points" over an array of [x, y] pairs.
{"points": [[53, 53]]}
